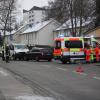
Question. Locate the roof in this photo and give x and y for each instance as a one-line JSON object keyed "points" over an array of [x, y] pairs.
{"points": [[36, 8], [93, 29], [24, 11], [8, 33], [67, 24], [37, 27]]}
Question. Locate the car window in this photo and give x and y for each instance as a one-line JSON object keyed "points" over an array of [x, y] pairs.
{"points": [[35, 50], [95, 44], [73, 44]]}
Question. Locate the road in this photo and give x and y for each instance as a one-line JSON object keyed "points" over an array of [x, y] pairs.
{"points": [[56, 80]]}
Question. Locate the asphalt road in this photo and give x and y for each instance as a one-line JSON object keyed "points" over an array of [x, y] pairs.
{"points": [[59, 81]]}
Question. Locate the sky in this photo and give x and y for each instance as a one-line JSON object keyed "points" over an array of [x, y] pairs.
{"points": [[28, 4]]}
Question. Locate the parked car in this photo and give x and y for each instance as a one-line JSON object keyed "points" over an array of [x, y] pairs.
{"points": [[17, 51], [39, 54]]}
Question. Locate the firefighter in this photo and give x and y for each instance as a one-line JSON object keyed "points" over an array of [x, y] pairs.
{"points": [[92, 55], [96, 50], [88, 54], [3, 53], [7, 53]]}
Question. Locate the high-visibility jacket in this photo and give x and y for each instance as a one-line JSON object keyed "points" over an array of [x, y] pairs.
{"points": [[88, 54], [97, 53], [92, 55]]}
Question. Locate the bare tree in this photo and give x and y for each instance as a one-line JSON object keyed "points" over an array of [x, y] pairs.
{"points": [[97, 23], [6, 11], [77, 11]]}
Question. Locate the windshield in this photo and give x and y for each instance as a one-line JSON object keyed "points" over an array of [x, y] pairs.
{"points": [[21, 47], [73, 44]]}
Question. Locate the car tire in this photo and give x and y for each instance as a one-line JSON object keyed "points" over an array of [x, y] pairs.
{"points": [[64, 62], [14, 58], [25, 58], [49, 60]]}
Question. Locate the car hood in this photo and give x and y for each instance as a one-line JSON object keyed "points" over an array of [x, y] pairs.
{"points": [[21, 50]]}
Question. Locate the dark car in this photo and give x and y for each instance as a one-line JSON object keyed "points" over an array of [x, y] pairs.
{"points": [[39, 54]]}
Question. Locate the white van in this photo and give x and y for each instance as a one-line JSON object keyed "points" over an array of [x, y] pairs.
{"points": [[17, 51]]}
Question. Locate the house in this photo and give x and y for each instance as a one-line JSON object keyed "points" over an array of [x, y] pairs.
{"points": [[40, 33], [34, 15], [9, 37], [13, 36], [66, 28], [94, 33]]}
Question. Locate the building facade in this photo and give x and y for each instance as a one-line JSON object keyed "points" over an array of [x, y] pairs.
{"points": [[66, 28], [94, 33], [34, 15], [40, 33]]}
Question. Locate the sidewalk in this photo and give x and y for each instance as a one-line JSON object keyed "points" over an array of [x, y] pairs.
{"points": [[10, 88]]}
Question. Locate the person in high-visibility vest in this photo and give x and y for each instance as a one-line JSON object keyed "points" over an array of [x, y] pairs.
{"points": [[88, 54], [96, 50], [92, 55]]}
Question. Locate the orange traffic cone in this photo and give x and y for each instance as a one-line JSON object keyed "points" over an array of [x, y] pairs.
{"points": [[79, 69]]}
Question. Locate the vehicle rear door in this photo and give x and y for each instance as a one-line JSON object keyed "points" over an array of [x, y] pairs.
{"points": [[76, 49]]}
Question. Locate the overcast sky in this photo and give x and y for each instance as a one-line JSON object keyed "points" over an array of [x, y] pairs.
{"points": [[27, 4]]}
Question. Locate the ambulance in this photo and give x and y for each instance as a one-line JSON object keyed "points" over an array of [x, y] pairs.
{"points": [[69, 49]]}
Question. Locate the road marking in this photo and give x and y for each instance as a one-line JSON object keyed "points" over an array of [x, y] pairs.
{"points": [[80, 73], [62, 69], [2, 72], [98, 78]]}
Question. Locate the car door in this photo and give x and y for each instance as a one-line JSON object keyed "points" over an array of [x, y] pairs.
{"points": [[37, 53]]}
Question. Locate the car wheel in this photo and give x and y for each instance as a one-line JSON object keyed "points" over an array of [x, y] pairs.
{"points": [[64, 62], [27, 59], [14, 58], [37, 58], [49, 60]]}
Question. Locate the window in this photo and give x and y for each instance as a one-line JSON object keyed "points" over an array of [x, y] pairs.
{"points": [[95, 44], [73, 44], [58, 44], [35, 50], [67, 44]]}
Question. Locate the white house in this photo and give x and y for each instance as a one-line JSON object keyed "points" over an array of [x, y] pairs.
{"points": [[66, 28], [9, 37], [14, 36], [34, 15], [40, 33]]}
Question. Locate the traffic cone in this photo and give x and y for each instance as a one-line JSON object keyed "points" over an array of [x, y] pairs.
{"points": [[79, 69]]}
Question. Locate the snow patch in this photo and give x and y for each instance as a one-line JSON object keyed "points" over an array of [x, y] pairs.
{"points": [[33, 98], [2, 72]]}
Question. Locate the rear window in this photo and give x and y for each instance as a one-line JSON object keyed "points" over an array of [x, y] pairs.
{"points": [[58, 44], [73, 44]]}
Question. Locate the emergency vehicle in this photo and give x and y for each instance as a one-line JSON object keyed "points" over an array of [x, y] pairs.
{"points": [[68, 49]]}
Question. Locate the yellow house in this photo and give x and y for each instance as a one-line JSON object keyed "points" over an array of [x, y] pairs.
{"points": [[94, 33]]}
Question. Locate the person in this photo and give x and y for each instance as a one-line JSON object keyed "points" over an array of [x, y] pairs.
{"points": [[92, 55], [96, 50], [3, 53], [7, 53], [88, 54]]}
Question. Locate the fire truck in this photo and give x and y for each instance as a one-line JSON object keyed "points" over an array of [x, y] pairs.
{"points": [[69, 49]]}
